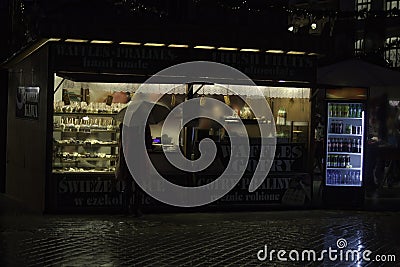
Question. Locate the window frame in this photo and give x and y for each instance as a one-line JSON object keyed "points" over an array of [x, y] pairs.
{"points": [[392, 51]]}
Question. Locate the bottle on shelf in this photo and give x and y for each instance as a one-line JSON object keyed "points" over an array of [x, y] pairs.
{"points": [[335, 161], [354, 113], [359, 130], [347, 161], [333, 126], [348, 129], [354, 146], [359, 110], [352, 177], [346, 111], [343, 165]]}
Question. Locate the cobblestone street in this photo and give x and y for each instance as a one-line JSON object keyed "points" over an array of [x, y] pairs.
{"points": [[193, 239]]}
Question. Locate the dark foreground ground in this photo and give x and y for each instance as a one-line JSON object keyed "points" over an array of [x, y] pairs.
{"points": [[205, 239]]}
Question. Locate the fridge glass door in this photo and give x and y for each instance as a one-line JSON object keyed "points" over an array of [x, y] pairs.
{"points": [[344, 144]]}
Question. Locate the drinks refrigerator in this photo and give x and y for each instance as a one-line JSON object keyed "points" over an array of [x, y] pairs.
{"points": [[345, 150]]}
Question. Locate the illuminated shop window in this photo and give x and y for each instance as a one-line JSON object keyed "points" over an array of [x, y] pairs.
{"points": [[392, 53], [359, 46], [392, 4], [363, 5]]}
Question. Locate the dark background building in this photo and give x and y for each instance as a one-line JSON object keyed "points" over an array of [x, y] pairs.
{"points": [[367, 29], [337, 29], [262, 24]]}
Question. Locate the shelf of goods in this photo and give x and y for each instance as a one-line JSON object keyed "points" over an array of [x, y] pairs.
{"points": [[85, 142]]}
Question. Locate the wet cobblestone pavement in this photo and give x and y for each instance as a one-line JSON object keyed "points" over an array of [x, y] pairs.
{"points": [[202, 239]]}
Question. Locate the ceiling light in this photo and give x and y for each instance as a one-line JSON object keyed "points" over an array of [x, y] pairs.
{"points": [[101, 42], [76, 41], [153, 44], [178, 46], [129, 43], [204, 47], [296, 53], [313, 25], [228, 48], [275, 51], [249, 50]]}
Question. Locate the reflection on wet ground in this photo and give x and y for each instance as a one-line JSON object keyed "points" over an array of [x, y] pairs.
{"points": [[194, 239]]}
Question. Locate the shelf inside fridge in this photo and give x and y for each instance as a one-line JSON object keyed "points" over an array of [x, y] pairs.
{"points": [[344, 118], [342, 169], [345, 135], [344, 153], [349, 185]]}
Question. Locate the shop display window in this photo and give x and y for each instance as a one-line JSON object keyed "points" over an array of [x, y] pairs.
{"points": [[86, 120]]}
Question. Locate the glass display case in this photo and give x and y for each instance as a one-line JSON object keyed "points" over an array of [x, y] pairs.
{"points": [[84, 142]]}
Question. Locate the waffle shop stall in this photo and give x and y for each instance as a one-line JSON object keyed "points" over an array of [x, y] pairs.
{"points": [[62, 141]]}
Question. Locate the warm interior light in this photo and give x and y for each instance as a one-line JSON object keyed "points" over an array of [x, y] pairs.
{"points": [[129, 43], [313, 54], [204, 47], [178, 45], [101, 42], [291, 28], [153, 44], [275, 51], [76, 40], [227, 48], [54, 39], [296, 53], [313, 25], [227, 99], [249, 50]]}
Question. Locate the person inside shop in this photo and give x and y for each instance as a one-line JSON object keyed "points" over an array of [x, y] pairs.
{"points": [[122, 173], [384, 133], [392, 170], [377, 136]]}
